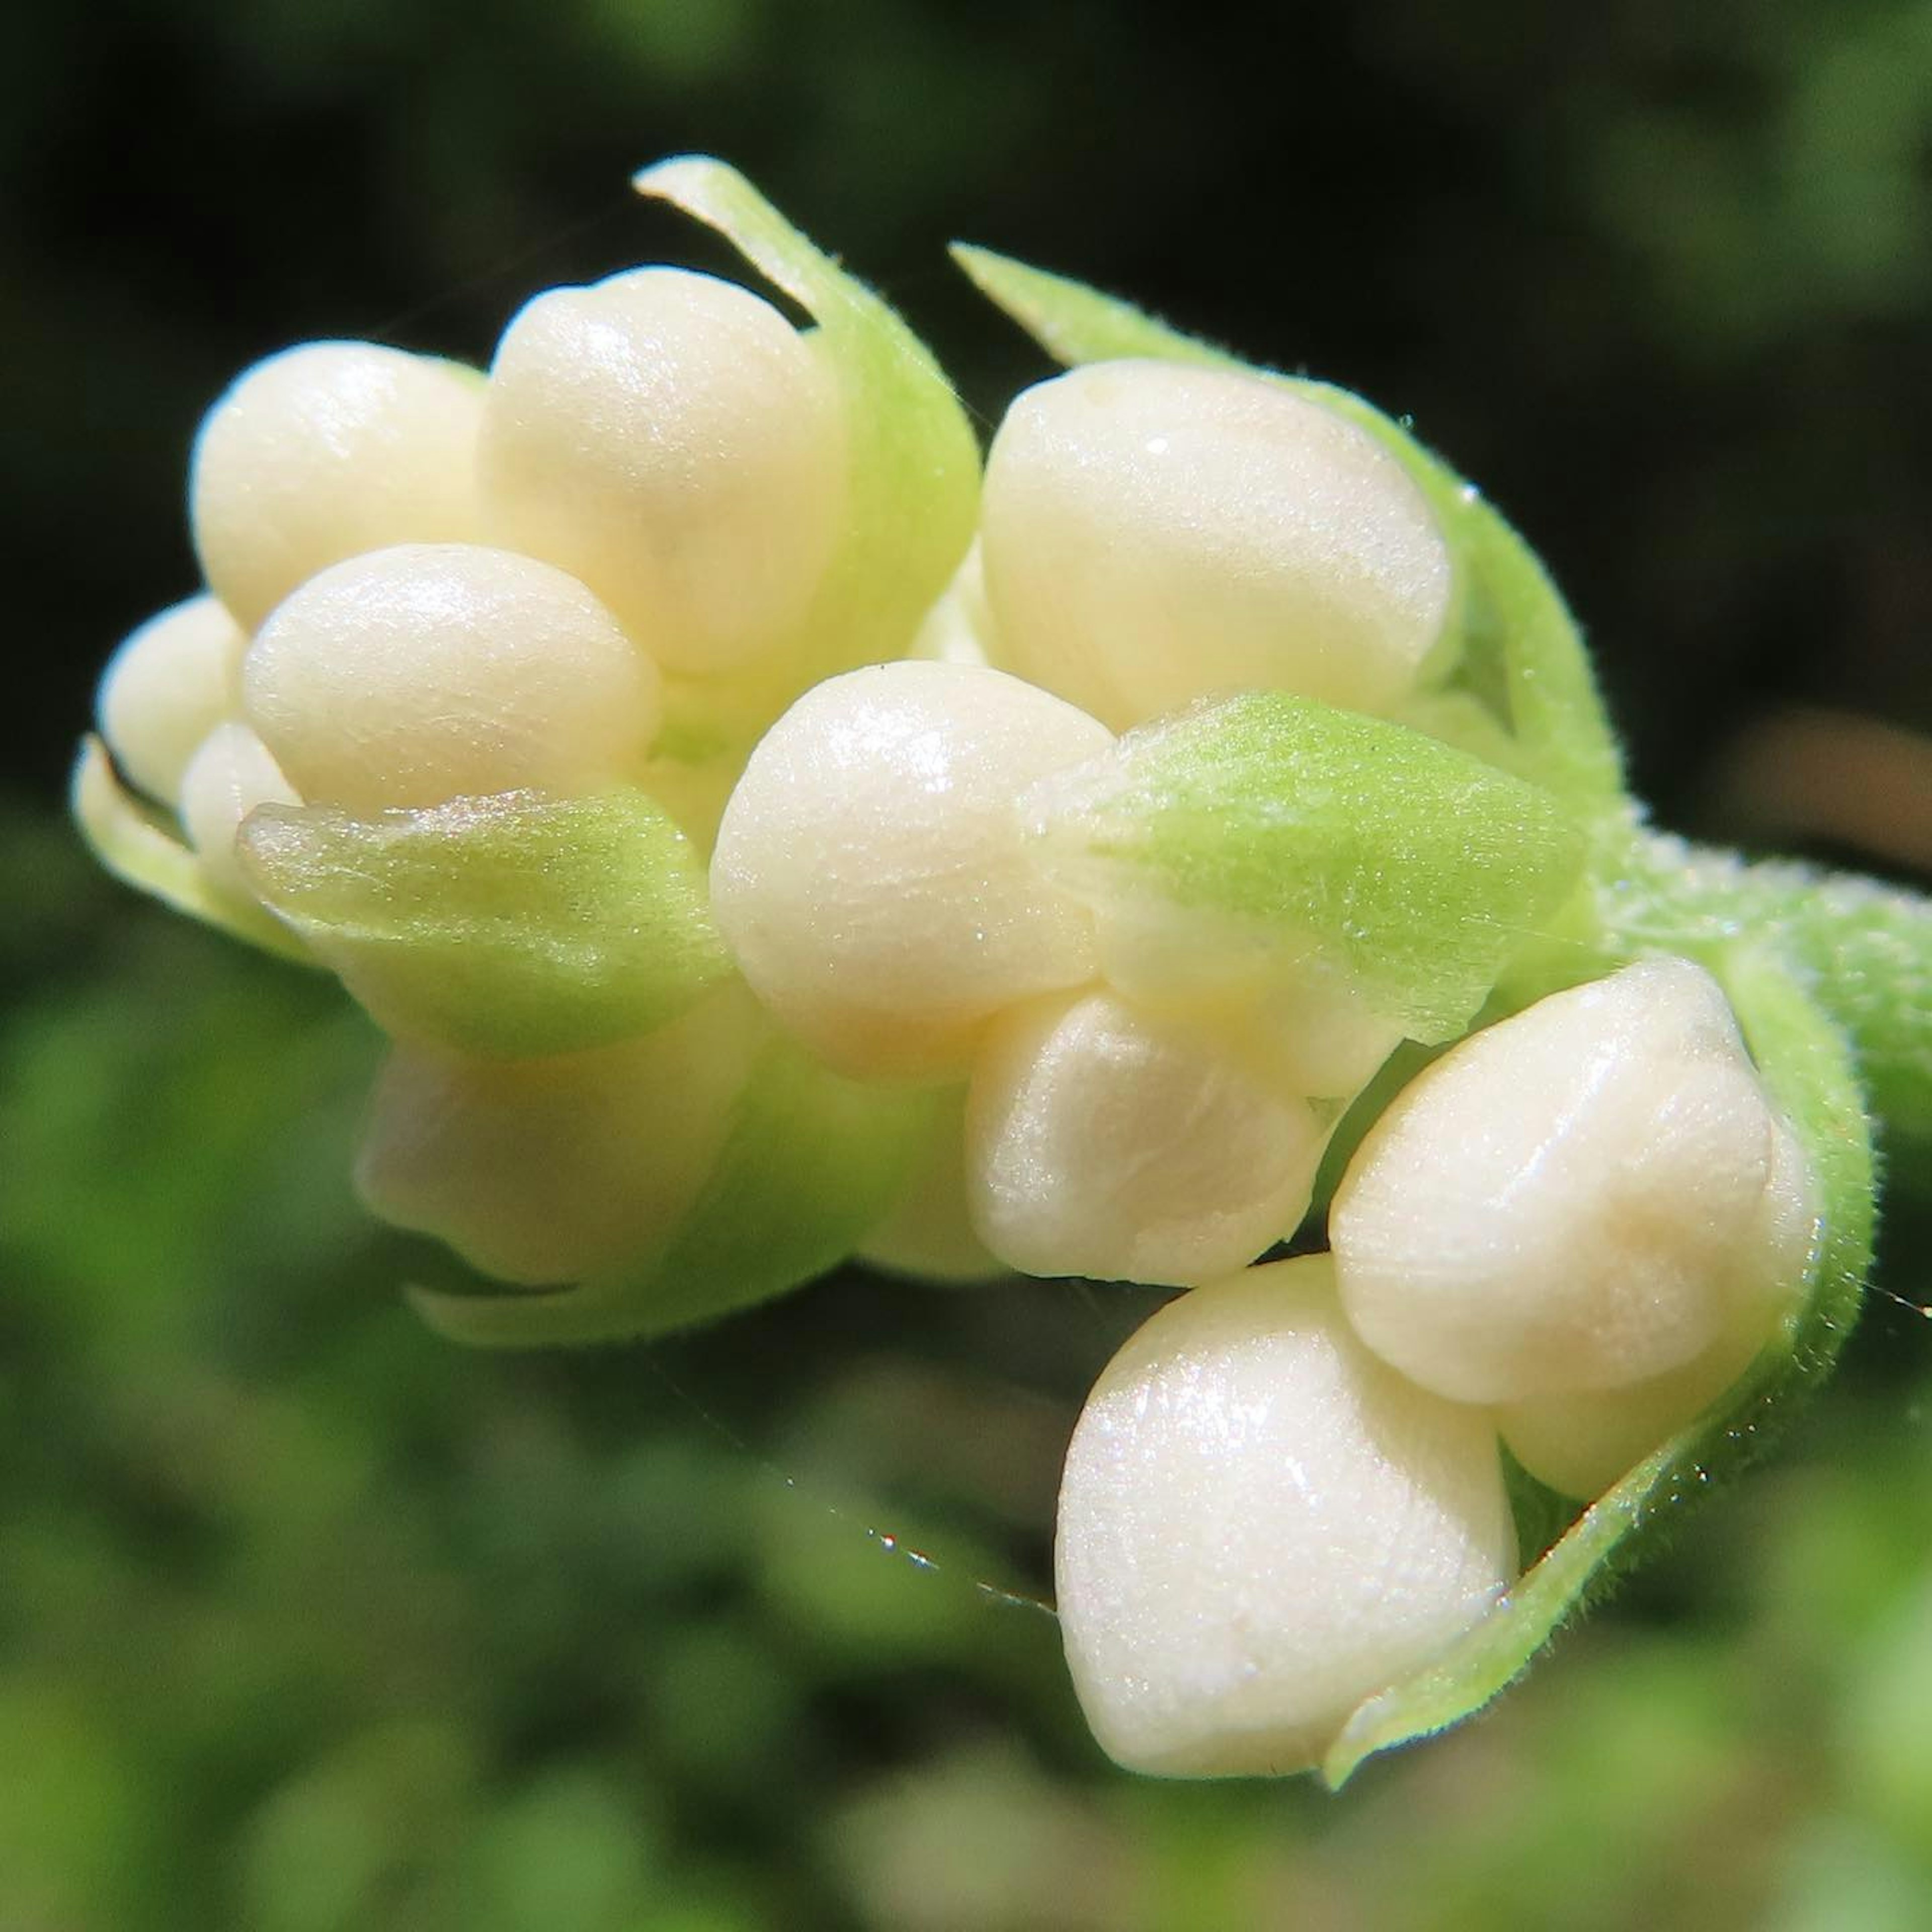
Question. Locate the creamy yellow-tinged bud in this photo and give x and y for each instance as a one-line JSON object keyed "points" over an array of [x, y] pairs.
{"points": [[1261, 1526], [674, 441], [1581, 1442], [871, 873], [410, 676], [1153, 532], [325, 450], [168, 686], [1106, 1142], [543, 1171], [231, 773], [1557, 1203]]}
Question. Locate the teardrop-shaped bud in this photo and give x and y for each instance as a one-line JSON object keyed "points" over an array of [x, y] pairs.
{"points": [[542, 1171], [1556, 1203], [1261, 1525], [871, 873], [167, 687], [231, 773], [325, 451], [410, 676], [1105, 1142], [1153, 532], [1579, 1443], [671, 439]]}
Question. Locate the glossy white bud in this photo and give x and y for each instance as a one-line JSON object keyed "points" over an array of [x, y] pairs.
{"points": [[1152, 533], [1582, 1442], [409, 676], [166, 688], [1261, 1525], [871, 873], [1556, 1203], [1103, 1141], [541, 1172], [325, 450], [674, 441], [231, 773]]}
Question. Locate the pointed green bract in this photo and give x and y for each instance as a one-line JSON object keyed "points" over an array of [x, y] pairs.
{"points": [[1511, 643], [812, 1162], [1416, 868], [913, 464], [1808, 1069], [519, 925], [130, 839]]}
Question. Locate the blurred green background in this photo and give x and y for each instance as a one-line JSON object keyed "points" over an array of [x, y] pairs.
{"points": [[308, 1620]]}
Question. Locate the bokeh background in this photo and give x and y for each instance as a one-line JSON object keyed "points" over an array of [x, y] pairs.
{"points": [[308, 1620]]}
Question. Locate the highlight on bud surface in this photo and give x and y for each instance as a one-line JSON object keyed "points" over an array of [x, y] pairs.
{"points": [[414, 675], [1261, 1526], [671, 439], [1105, 1142], [1568, 1200], [870, 874], [1153, 533], [323, 451]]}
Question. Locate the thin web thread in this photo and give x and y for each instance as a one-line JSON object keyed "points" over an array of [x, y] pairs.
{"points": [[888, 1541]]}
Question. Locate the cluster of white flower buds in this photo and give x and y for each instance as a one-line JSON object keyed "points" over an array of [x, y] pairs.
{"points": [[1570, 1234], [452, 616]]}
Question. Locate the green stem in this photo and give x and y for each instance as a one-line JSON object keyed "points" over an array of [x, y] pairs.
{"points": [[1862, 950]]}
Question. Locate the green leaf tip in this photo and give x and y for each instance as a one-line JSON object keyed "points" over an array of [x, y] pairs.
{"points": [[913, 460], [130, 839], [517, 925]]}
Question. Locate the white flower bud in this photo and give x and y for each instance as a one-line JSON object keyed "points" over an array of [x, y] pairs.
{"points": [[543, 1171], [1153, 532], [674, 441], [325, 450], [168, 686], [871, 873], [1582, 1442], [1105, 1142], [230, 774], [409, 676], [1261, 1525], [1556, 1203]]}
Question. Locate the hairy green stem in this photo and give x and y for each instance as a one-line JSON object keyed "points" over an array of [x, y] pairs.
{"points": [[1862, 950]]}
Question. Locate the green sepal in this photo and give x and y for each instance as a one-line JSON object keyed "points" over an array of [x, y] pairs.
{"points": [[913, 463], [518, 925], [812, 1162], [1511, 644], [130, 839], [1806, 1066], [1414, 868]]}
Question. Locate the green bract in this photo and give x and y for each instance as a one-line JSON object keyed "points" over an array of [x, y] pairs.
{"points": [[913, 468], [811, 1162], [515, 925], [1416, 869]]}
